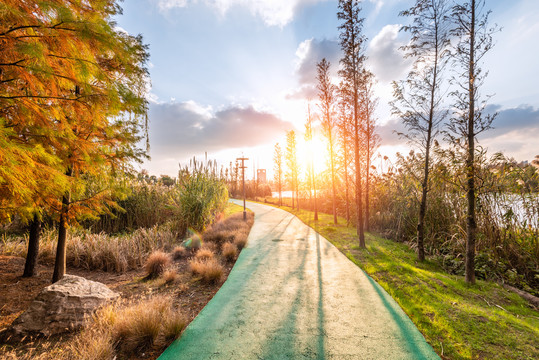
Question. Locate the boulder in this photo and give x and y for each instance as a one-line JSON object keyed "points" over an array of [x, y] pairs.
{"points": [[62, 306]]}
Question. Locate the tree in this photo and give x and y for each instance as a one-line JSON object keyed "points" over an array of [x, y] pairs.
{"points": [[352, 41], [345, 131], [371, 138], [308, 138], [292, 165], [326, 95], [475, 39], [72, 107], [278, 170], [419, 99]]}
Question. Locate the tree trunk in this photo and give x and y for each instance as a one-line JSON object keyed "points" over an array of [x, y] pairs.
{"points": [[333, 179], [359, 203], [367, 173], [60, 262], [347, 199], [33, 248], [470, 173]]}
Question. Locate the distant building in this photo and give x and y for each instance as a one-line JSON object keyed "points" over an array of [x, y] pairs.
{"points": [[261, 175]]}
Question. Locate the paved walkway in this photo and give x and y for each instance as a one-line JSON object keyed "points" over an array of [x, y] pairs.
{"points": [[293, 295]]}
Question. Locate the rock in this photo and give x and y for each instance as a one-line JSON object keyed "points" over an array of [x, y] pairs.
{"points": [[62, 306]]}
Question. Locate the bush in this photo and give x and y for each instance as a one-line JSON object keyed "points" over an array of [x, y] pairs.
{"points": [[210, 270], [156, 264], [229, 251], [204, 254]]}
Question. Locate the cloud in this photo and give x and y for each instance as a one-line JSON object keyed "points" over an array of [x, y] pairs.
{"points": [[384, 57], [180, 130], [272, 12], [309, 53], [514, 131]]}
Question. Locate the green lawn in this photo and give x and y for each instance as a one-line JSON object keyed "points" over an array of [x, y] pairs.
{"points": [[484, 321]]}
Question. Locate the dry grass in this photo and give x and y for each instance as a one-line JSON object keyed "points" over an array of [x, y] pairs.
{"points": [[156, 264], [170, 276], [233, 229], [229, 251], [204, 254], [210, 246], [179, 252], [210, 270], [98, 251], [118, 331]]}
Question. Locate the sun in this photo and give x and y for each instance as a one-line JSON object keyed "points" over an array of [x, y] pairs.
{"points": [[315, 150]]}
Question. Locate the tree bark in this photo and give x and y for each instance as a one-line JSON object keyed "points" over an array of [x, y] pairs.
{"points": [[359, 203], [60, 262], [471, 226], [33, 248]]}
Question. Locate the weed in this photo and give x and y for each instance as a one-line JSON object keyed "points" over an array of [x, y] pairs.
{"points": [[204, 254]]}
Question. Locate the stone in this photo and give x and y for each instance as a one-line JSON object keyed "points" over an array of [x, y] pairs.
{"points": [[63, 306]]}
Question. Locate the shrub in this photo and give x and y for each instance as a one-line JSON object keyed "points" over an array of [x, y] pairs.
{"points": [[204, 254], [210, 270], [156, 264], [229, 251], [210, 246]]}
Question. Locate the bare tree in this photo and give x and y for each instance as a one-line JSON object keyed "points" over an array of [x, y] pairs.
{"points": [[475, 39], [419, 99], [326, 95], [352, 42], [278, 169]]}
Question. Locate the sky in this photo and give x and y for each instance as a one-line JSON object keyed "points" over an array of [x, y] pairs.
{"points": [[230, 77]]}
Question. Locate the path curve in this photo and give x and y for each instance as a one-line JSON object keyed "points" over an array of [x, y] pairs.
{"points": [[293, 295]]}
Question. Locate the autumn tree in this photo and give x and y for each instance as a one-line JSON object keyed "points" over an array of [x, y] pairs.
{"points": [[278, 170], [326, 97], [309, 132], [72, 88], [352, 42], [475, 39], [419, 99], [292, 164]]}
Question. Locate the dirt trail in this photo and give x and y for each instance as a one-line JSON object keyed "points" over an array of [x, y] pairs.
{"points": [[293, 295]]}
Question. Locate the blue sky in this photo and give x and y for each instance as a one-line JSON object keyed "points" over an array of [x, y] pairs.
{"points": [[231, 76]]}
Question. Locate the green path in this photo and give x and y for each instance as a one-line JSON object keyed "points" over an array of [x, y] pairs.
{"points": [[293, 295]]}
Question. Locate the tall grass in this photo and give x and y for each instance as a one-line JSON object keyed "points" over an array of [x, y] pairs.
{"points": [[202, 196], [507, 215], [145, 206], [113, 253]]}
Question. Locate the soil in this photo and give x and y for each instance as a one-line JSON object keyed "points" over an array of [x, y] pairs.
{"points": [[17, 293]]}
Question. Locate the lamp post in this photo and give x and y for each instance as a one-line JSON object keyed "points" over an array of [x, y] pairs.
{"points": [[243, 167]]}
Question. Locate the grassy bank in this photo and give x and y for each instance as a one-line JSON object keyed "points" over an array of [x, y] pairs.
{"points": [[484, 321]]}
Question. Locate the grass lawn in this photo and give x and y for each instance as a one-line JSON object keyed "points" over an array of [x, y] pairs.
{"points": [[460, 321]]}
